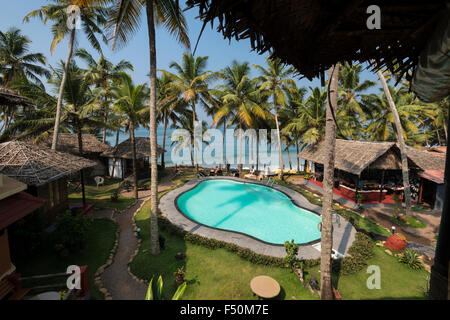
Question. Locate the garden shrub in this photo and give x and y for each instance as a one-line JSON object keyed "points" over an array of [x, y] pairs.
{"points": [[361, 250], [411, 259], [70, 231], [291, 253]]}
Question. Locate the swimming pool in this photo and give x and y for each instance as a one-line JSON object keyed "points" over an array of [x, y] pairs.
{"points": [[255, 210]]}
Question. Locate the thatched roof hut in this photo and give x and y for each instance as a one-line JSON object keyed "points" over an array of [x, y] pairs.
{"points": [[312, 35], [68, 142], [124, 150], [37, 165], [356, 156], [9, 97]]}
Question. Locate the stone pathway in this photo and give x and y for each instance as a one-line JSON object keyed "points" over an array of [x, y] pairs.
{"points": [[116, 278]]}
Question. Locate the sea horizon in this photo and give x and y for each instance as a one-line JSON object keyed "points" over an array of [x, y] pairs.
{"points": [[144, 132]]}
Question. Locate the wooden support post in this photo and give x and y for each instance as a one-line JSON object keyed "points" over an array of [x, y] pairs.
{"points": [[381, 186]]}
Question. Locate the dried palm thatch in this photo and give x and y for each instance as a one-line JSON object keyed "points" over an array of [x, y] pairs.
{"points": [[355, 156], [68, 142], [37, 165], [124, 150], [312, 35], [9, 97], [426, 160]]}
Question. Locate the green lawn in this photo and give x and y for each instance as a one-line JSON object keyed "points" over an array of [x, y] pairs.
{"points": [[100, 196], [412, 222], [101, 237], [398, 281], [210, 274], [220, 274]]}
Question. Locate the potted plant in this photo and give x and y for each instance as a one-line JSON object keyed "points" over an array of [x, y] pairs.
{"points": [[179, 276]]}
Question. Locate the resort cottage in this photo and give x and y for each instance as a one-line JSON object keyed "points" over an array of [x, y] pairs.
{"points": [[15, 204], [92, 149], [370, 172], [120, 158], [43, 170]]}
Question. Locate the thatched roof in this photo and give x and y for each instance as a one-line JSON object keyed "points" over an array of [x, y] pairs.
{"points": [[312, 35], [425, 160], [124, 150], [9, 97], [68, 142], [355, 156], [37, 165]]}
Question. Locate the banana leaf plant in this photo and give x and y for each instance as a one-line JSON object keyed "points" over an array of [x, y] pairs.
{"points": [[154, 291]]}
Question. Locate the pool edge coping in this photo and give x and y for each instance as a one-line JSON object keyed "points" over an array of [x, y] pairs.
{"points": [[169, 208]]}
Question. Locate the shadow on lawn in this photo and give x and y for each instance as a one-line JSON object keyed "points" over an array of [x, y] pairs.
{"points": [[146, 266]]}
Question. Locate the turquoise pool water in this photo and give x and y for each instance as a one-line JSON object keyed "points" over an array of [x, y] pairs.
{"points": [[256, 210]]}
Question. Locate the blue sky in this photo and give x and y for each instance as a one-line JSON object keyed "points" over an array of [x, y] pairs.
{"points": [[221, 52]]}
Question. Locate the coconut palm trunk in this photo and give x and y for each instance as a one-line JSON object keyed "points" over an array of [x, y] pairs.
{"points": [[133, 157], [289, 157], [298, 159], [240, 150], [326, 292], [279, 141], [154, 233], [80, 151], [163, 163], [195, 140], [401, 143], [61, 90]]}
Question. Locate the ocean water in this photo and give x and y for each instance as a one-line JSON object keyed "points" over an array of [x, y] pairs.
{"points": [[256, 210], [144, 132]]}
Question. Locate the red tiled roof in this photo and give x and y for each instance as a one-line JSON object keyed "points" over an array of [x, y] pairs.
{"points": [[17, 206], [436, 176]]}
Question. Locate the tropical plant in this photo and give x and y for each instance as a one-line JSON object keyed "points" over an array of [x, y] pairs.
{"points": [[411, 259], [154, 290], [192, 82], [351, 111], [60, 13], [309, 124], [401, 142], [102, 73], [288, 116], [328, 183], [275, 82], [124, 22], [130, 100], [168, 104], [16, 60], [291, 253], [240, 100]]}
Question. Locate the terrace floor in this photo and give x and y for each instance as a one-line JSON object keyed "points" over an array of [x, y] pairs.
{"points": [[343, 233]]}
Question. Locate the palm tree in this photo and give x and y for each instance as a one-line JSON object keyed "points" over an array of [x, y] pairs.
{"points": [[79, 104], [239, 100], [101, 73], [328, 183], [124, 22], [17, 62], [192, 82], [91, 21], [275, 81], [168, 103], [131, 101], [351, 112], [309, 124], [292, 111], [401, 142], [381, 125], [184, 121]]}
